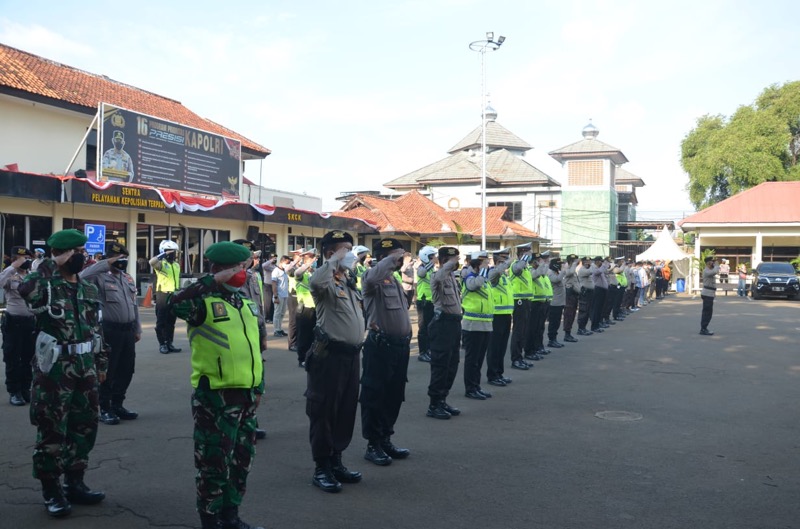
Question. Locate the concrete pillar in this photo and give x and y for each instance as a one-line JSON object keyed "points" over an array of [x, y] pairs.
{"points": [[759, 249]]}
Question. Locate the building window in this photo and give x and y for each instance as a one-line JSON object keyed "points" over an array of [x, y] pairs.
{"points": [[513, 210], [589, 173]]}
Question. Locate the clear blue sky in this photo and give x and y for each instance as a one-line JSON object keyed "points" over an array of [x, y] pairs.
{"points": [[351, 94]]}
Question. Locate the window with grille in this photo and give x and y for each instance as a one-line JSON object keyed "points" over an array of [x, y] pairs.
{"points": [[588, 173], [513, 210]]}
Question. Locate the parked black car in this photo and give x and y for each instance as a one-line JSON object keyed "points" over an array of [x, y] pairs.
{"points": [[775, 279]]}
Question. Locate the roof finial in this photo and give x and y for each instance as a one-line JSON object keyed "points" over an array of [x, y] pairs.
{"points": [[590, 132], [489, 112]]}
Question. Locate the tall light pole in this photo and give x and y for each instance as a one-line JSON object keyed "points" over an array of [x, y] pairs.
{"points": [[482, 46]]}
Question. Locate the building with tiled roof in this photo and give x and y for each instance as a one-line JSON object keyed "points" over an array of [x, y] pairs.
{"points": [[418, 220], [759, 224], [529, 195]]}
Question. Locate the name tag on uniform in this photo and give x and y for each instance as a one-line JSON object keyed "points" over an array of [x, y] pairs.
{"points": [[218, 309]]}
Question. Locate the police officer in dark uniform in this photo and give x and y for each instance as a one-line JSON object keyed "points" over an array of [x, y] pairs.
{"points": [[386, 353], [18, 325], [226, 337], [445, 334], [333, 362], [121, 327], [306, 311], [71, 360]]}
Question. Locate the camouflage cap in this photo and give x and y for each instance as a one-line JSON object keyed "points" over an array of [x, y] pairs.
{"points": [[226, 253], [67, 239], [115, 248], [118, 134]]}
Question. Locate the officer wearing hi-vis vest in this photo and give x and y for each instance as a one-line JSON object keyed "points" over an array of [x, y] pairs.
{"points": [[168, 277], [226, 337], [428, 260], [534, 347], [503, 296], [306, 309], [478, 305], [522, 286]]}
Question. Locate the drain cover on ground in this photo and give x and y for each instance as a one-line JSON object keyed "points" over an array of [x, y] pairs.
{"points": [[618, 415]]}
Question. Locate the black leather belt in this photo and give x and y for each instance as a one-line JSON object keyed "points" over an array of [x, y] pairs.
{"points": [[129, 326]]}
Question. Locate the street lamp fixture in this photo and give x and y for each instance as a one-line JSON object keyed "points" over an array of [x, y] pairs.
{"points": [[482, 46]]}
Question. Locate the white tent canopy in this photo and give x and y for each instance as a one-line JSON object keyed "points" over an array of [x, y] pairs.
{"points": [[663, 249]]}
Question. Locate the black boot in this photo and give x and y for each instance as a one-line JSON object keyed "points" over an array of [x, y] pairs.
{"points": [[324, 478], [436, 410], [209, 521], [172, 348], [78, 493], [229, 519], [341, 473], [54, 501], [375, 454], [393, 451], [16, 399]]}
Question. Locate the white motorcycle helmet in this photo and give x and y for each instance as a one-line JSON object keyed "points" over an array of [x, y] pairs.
{"points": [[426, 253], [359, 250], [167, 246]]}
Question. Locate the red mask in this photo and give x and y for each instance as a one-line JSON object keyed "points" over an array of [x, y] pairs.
{"points": [[238, 280]]}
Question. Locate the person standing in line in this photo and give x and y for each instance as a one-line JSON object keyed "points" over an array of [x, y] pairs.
{"points": [[407, 273], [226, 337], [522, 286], [534, 341], [598, 271], [306, 310], [586, 296], [428, 259], [168, 278], [386, 352], [122, 329], [291, 306], [333, 363], [617, 311], [572, 290], [253, 289], [362, 254], [18, 326], [445, 334], [556, 275], [280, 295], [708, 294], [478, 306], [267, 266], [611, 295], [503, 298], [71, 362]]}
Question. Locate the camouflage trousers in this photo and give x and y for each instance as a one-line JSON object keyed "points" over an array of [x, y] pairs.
{"points": [[224, 446], [64, 408]]}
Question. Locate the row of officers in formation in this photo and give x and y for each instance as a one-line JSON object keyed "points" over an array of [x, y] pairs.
{"points": [[353, 339]]}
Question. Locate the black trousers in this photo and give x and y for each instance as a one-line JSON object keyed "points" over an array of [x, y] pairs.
{"points": [[496, 354], [332, 400], [598, 302], [616, 304], [424, 317], [121, 339], [291, 308], [554, 321], [383, 383], [19, 345], [306, 320], [611, 294], [584, 305], [708, 311], [476, 344], [570, 310], [445, 335], [165, 319], [270, 306], [536, 326], [519, 328]]}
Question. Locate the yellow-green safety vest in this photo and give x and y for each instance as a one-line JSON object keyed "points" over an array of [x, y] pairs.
{"points": [[478, 305], [503, 296], [360, 269], [623, 281], [168, 279], [424, 292], [226, 347], [522, 284], [539, 291], [547, 286], [304, 292]]}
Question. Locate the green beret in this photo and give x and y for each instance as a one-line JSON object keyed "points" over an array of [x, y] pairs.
{"points": [[67, 240], [115, 248], [226, 253]]}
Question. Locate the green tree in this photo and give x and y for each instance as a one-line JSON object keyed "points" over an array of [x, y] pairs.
{"points": [[759, 143]]}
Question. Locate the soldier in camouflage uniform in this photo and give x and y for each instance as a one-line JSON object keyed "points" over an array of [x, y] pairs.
{"points": [[226, 336], [64, 405]]}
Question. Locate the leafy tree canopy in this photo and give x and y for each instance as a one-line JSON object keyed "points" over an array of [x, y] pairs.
{"points": [[759, 143]]}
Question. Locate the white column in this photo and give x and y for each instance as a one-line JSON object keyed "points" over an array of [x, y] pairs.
{"points": [[759, 250]]}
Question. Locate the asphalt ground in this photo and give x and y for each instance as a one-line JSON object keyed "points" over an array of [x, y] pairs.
{"points": [[716, 442]]}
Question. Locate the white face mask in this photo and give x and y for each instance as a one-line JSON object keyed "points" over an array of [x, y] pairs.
{"points": [[348, 261]]}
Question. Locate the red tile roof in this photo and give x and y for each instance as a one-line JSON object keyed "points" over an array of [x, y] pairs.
{"points": [[770, 202], [417, 214], [36, 75]]}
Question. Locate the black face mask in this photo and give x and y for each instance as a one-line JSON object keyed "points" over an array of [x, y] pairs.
{"points": [[26, 264], [170, 257], [75, 263], [120, 264]]}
